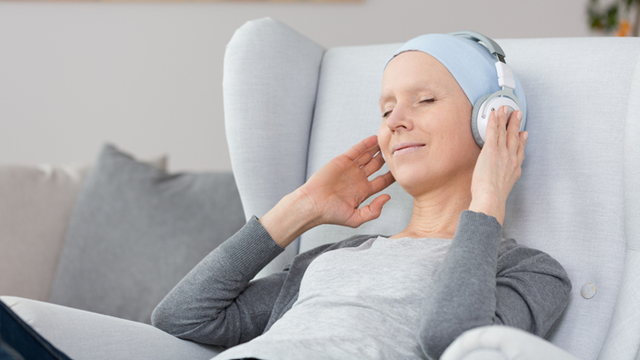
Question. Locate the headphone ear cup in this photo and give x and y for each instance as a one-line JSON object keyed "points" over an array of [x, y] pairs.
{"points": [[477, 126], [484, 106]]}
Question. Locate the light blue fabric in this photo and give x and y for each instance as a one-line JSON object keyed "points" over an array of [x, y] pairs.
{"points": [[470, 63]]}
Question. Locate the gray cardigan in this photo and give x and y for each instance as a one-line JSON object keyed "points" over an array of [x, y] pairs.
{"points": [[483, 280]]}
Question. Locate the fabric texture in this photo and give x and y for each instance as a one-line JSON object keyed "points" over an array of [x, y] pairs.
{"points": [[34, 214], [84, 335], [514, 285], [623, 340], [260, 54], [502, 342], [135, 231], [470, 63], [351, 299]]}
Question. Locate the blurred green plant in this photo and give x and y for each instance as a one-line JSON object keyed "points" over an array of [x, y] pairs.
{"points": [[615, 17]]}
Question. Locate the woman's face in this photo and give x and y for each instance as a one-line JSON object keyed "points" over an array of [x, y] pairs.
{"points": [[425, 133]]}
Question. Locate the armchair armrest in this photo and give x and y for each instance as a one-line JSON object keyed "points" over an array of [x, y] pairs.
{"points": [[86, 335], [497, 342]]}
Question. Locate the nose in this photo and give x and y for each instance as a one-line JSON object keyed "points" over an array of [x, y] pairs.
{"points": [[400, 119]]}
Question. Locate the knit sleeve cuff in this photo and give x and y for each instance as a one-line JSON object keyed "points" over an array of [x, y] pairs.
{"points": [[478, 232], [251, 248]]}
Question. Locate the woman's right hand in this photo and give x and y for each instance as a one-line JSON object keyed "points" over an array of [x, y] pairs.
{"points": [[333, 195], [336, 191]]}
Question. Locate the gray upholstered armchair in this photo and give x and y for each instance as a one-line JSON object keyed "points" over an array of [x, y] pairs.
{"points": [[291, 105]]}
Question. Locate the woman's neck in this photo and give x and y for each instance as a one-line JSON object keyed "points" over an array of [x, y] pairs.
{"points": [[436, 213]]}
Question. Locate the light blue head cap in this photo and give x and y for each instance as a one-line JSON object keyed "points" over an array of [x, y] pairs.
{"points": [[470, 63]]}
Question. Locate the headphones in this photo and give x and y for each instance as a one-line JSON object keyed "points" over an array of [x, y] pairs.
{"points": [[490, 102]]}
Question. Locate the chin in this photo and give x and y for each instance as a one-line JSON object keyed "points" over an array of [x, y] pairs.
{"points": [[412, 180], [418, 178]]}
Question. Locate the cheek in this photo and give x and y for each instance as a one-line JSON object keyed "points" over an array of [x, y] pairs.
{"points": [[384, 137], [457, 129]]}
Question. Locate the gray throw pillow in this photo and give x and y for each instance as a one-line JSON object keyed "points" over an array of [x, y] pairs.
{"points": [[135, 231]]}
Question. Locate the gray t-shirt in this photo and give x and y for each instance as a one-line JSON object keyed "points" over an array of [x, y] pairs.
{"points": [[360, 302], [482, 280]]}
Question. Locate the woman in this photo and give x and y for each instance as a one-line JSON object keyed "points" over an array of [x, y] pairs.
{"points": [[373, 297]]}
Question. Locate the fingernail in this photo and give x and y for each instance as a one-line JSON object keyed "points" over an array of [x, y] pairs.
{"points": [[506, 109], [526, 135], [519, 115]]}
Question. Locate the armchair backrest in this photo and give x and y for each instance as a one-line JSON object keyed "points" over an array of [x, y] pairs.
{"points": [[291, 106]]}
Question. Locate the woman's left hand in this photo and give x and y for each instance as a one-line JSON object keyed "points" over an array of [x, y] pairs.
{"points": [[499, 164]]}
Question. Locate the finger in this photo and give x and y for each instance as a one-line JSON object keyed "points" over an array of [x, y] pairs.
{"points": [[374, 165], [376, 205], [491, 136], [381, 182], [513, 131], [364, 158], [371, 211], [359, 148], [502, 126], [524, 135]]}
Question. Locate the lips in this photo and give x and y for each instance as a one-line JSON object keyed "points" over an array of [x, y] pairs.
{"points": [[404, 148]]}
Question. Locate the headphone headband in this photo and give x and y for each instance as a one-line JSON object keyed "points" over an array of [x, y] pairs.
{"points": [[491, 45], [490, 102]]}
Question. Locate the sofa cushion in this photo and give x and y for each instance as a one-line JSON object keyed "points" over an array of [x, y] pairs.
{"points": [[135, 231], [34, 214]]}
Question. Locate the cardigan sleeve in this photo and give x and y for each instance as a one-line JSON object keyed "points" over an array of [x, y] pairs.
{"points": [[216, 302], [484, 281]]}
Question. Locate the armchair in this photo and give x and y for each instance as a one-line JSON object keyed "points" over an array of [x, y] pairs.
{"points": [[291, 106]]}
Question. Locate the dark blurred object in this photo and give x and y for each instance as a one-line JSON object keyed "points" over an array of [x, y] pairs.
{"points": [[7, 352], [18, 341]]}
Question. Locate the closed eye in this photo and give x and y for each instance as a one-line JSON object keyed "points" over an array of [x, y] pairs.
{"points": [[386, 114]]}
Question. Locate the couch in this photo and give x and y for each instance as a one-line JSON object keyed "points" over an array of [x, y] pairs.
{"points": [[111, 239], [291, 105]]}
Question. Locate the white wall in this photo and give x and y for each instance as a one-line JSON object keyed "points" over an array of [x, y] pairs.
{"points": [[147, 76]]}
